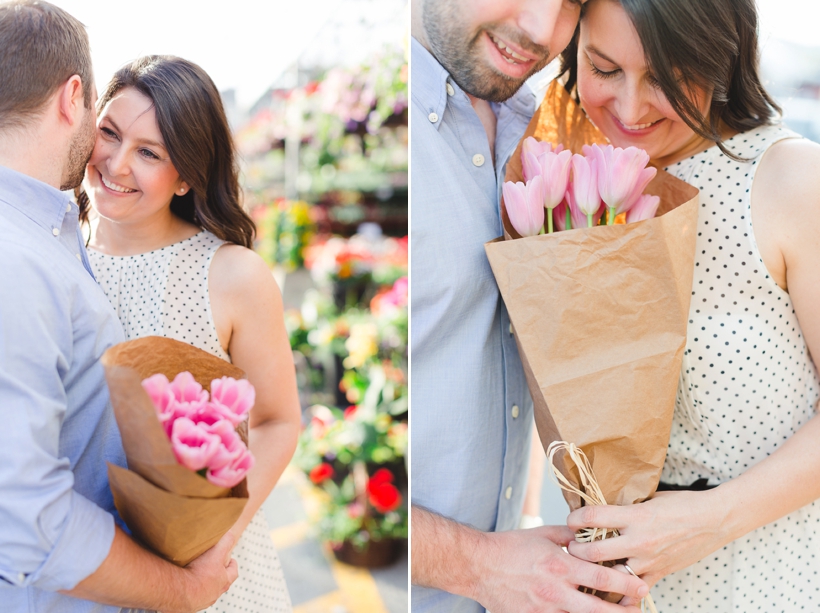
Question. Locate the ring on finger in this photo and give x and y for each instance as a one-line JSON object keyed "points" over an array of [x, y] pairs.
{"points": [[629, 570]]}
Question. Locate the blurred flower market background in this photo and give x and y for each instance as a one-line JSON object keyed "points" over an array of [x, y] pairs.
{"points": [[316, 94]]}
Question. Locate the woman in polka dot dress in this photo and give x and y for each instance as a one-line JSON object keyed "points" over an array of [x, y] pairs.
{"points": [[169, 244], [737, 530]]}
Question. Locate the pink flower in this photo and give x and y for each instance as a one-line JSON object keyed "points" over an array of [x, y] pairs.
{"points": [[525, 205], [159, 390], [231, 474], [622, 174], [554, 171], [236, 396], [645, 208], [230, 447], [578, 218], [193, 445], [189, 397], [537, 148], [584, 186]]}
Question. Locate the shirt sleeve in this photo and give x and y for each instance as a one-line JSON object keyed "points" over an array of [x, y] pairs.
{"points": [[51, 537]]}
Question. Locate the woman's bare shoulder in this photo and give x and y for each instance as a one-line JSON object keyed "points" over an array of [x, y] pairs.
{"points": [[237, 270]]}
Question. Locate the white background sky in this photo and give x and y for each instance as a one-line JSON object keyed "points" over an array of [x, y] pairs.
{"points": [[242, 44], [247, 44]]}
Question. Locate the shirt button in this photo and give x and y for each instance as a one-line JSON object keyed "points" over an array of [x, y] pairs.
{"points": [[68, 208], [508, 493], [511, 330], [478, 159], [450, 90], [515, 411], [55, 231], [79, 257], [21, 577], [432, 117]]}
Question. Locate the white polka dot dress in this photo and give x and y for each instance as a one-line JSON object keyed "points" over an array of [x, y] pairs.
{"points": [[165, 293], [747, 384]]}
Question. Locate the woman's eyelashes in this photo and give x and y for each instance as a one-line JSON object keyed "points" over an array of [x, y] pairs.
{"points": [[109, 133], [604, 74], [146, 153]]}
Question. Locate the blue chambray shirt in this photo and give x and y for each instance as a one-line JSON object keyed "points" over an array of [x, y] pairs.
{"points": [[58, 430], [471, 416]]}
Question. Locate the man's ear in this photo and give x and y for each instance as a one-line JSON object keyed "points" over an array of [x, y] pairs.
{"points": [[71, 100]]}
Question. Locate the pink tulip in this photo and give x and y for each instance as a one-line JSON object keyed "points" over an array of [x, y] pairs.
{"points": [[233, 473], [231, 446], [193, 445], [621, 173], [536, 148], [554, 171], [645, 208], [584, 186], [188, 395], [237, 396], [159, 390], [525, 205], [578, 218]]}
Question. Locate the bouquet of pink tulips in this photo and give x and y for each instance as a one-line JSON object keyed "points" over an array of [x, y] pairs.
{"points": [[578, 191], [599, 312], [182, 415], [202, 430]]}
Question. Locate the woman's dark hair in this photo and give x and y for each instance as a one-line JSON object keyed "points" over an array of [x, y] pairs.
{"points": [[193, 125], [691, 44]]}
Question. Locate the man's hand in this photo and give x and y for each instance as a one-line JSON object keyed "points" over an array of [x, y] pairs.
{"points": [[527, 570], [520, 571], [211, 574]]}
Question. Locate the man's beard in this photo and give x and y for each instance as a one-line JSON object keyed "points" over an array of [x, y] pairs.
{"points": [[460, 53], [79, 152]]}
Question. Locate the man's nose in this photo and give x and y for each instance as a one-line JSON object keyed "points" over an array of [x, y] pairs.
{"points": [[539, 19]]}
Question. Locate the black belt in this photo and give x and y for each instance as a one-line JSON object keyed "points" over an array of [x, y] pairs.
{"points": [[698, 486]]}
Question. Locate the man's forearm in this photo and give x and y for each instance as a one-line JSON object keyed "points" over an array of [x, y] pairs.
{"points": [[444, 553], [132, 577]]}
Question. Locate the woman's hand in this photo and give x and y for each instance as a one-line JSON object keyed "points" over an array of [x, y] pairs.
{"points": [[659, 536]]}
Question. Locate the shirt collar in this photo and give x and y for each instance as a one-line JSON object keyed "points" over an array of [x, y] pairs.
{"points": [[430, 80], [43, 204]]}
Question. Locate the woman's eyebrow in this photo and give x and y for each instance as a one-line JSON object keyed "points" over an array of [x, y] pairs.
{"points": [[596, 51], [144, 141]]}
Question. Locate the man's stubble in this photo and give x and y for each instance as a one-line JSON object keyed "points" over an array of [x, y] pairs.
{"points": [[457, 49], [79, 152]]}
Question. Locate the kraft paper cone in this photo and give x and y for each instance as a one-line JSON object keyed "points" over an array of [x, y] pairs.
{"points": [[188, 527], [600, 316], [169, 508]]}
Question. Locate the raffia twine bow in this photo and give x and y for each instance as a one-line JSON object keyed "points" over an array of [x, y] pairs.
{"points": [[590, 493]]}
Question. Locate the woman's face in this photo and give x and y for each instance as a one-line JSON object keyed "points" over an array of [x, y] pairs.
{"points": [[620, 95], [130, 177]]}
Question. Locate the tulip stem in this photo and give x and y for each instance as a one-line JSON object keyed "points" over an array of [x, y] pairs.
{"points": [[549, 221], [611, 217], [589, 220], [569, 219]]}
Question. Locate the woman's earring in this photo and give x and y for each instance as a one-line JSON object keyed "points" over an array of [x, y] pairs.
{"points": [[182, 192]]}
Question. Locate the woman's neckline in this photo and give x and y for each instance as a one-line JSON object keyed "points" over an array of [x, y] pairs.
{"points": [[136, 255]]}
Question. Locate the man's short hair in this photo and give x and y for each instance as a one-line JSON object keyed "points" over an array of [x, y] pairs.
{"points": [[41, 47]]}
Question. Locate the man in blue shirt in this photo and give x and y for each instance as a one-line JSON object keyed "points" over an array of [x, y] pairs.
{"points": [[471, 411], [60, 548]]}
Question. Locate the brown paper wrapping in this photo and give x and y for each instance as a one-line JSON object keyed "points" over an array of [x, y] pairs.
{"points": [[169, 508], [600, 315]]}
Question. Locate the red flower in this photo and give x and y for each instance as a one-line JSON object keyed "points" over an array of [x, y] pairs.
{"points": [[383, 494], [321, 473], [379, 477], [349, 411]]}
